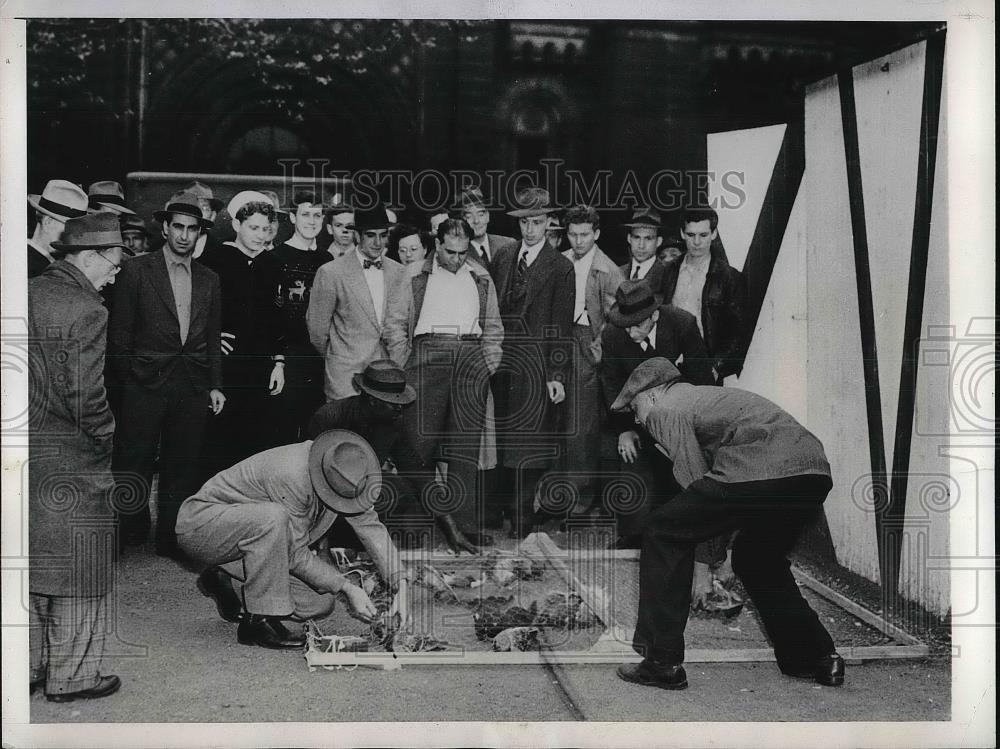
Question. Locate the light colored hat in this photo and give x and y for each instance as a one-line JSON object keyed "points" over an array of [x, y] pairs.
{"points": [[60, 200], [273, 197], [203, 192], [108, 196], [240, 199], [345, 472], [649, 374]]}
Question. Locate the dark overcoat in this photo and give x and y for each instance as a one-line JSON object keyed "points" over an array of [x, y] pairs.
{"points": [[537, 348], [70, 518]]}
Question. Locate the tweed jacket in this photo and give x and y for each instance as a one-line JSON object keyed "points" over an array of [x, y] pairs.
{"points": [[342, 323]]}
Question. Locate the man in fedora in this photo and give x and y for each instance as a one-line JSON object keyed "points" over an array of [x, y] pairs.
{"points": [[707, 286], [59, 201], [472, 207], [340, 226], [445, 329], [255, 522], [165, 347], [376, 414], [537, 291], [596, 279], [745, 465], [348, 303], [135, 235], [210, 207], [644, 239], [253, 344], [642, 328], [107, 195], [71, 566]]}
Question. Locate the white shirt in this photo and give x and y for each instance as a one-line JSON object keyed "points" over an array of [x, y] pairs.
{"points": [[581, 268], [532, 252], [376, 284], [451, 303], [651, 338], [644, 267], [690, 284]]}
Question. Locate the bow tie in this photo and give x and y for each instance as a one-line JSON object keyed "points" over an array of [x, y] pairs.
{"points": [[373, 264]]}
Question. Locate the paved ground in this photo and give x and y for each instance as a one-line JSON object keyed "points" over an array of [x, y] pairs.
{"points": [[179, 662]]}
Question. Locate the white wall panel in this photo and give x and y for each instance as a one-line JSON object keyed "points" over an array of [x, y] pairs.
{"points": [[752, 153], [835, 383]]}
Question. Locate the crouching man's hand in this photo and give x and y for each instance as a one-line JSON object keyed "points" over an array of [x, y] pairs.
{"points": [[361, 604]]}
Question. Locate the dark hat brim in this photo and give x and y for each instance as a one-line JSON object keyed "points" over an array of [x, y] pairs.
{"points": [[643, 225], [626, 320], [64, 247], [407, 396], [528, 212], [161, 216]]}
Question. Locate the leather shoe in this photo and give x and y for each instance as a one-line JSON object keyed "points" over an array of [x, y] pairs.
{"points": [[651, 674], [107, 685], [268, 632], [828, 671], [214, 583]]}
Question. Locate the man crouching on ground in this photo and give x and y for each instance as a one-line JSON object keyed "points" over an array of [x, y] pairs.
{"points": [[254, 524], [745, 465]]}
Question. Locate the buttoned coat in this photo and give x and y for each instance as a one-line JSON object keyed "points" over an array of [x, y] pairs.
{"points": [[602, 282], [145, 335], [70, 519], [538, 348], [341, 319]]}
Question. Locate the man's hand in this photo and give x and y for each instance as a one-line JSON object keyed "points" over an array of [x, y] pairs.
{"points": [[401, 605], [701, 585], [228, 342], [362, 605], [277, 381], [216, 400], [557, 393], [628, 445]]}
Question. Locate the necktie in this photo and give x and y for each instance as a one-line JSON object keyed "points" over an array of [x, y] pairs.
{"points": [[646, 343], [635, 273], [522, 266], [482, 254], [373, 264]]}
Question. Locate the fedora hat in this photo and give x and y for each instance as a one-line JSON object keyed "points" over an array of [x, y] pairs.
{"points": [[532, 201], [273, 197], [133, 223], [92, 231], [645, 217], [385, 380], [366, 219], [649, 374], [240, 199], [469, 198], [60, 200], [184, 203], [203, 192], [634, 302], [344, 471], [107, 196]]}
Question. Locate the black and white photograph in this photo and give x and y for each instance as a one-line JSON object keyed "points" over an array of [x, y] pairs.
{"points": [[507, 375]]}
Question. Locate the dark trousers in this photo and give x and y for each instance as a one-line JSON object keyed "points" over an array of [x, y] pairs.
{"points": [[289, 412], [585, 414], [769, 516], [173, 418], [242, 428], [446, 422]]}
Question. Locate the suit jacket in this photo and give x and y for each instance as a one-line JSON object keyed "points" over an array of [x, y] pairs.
{"points": [[677, 336], [341, 319], [495, 242], [404, 313], [655, 277], [71, 437], [723, 312], [604, 279], [537, 339], [145, 335]]}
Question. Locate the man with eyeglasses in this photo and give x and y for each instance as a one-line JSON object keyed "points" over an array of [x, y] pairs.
{"points": [[348, 302], [165, 335]]}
